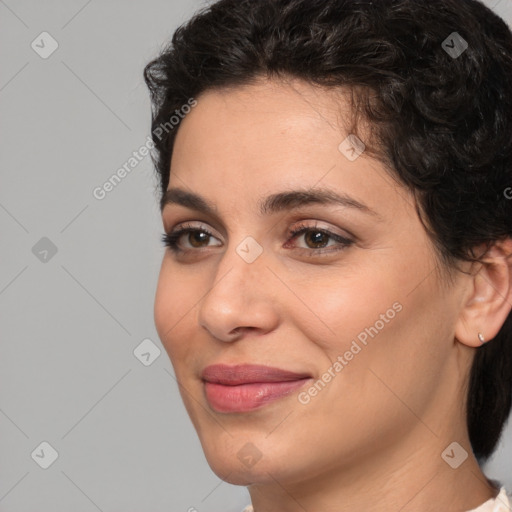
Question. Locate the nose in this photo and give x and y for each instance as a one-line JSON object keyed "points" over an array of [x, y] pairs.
{"points": [[241, 298]]}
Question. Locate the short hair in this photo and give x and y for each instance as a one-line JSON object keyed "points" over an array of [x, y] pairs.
{"points": [[433, 79]]}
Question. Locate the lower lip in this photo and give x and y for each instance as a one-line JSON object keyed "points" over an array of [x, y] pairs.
{"points": [[248, 397]]}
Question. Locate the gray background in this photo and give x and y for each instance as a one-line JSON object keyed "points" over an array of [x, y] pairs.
{"points": [[70, 323]]}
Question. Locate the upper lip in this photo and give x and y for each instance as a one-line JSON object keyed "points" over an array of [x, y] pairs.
{"points": [[247, 374]]}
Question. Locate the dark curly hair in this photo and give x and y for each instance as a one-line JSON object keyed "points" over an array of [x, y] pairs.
{"points": [[440, 121]]}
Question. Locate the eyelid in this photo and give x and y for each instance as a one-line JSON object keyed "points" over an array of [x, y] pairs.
{"points": [[172, 222], [189, 225], [320, 227], [207, 227]]}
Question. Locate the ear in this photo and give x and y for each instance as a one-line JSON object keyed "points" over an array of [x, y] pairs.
{"points": [[489, 298]]}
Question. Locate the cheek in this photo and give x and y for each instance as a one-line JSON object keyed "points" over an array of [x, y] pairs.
{"points": [[369, 315], [341, 305], [175, 299], [388, 337]]}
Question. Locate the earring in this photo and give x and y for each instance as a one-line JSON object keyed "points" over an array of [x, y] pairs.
{"points": [[481, 337]]}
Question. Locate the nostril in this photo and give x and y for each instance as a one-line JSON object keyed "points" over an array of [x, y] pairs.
{"points": [[238, 330]]}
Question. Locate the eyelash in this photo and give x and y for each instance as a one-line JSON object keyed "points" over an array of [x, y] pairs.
{"points": [[171, 240]]}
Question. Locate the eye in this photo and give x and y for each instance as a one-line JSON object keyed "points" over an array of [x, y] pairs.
{"points": [[318, 239], [188, 238], [194, 237]]}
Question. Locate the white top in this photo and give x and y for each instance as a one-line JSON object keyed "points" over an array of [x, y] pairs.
{"points": [[502, 503]]}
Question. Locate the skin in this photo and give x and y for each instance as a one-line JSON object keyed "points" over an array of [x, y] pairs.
{"points": [[372, 439]]}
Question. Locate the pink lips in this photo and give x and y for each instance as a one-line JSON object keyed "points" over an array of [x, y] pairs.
{"points": [[243, 388]]}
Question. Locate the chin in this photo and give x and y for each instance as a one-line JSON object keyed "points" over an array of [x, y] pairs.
{"points": [[242, 462], [233, 471]]}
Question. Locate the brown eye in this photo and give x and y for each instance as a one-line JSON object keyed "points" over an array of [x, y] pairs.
{"points": [[197, 239], [316, 239], [188, 238]]}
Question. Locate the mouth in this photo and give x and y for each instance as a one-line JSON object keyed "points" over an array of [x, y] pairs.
{"points": [[244, 388]]}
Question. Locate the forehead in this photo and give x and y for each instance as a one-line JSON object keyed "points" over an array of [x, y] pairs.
{"points": [[261, 126], [241, 144]]}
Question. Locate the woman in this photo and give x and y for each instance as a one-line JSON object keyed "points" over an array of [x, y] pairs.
{"points": [[336, 294]]}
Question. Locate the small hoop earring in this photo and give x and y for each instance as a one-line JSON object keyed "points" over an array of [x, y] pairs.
{"points": [[481, 337]]}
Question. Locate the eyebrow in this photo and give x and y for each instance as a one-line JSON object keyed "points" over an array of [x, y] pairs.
{"points": [[275, 203]]}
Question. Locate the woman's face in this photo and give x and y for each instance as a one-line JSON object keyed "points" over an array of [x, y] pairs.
{"points": [[354, 304]]}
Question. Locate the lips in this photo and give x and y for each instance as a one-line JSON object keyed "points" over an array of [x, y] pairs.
{"points": [[248, 374], [244, 388]]}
